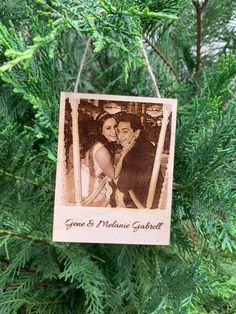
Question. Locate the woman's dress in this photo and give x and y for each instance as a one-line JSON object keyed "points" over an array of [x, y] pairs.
{"points": [[96, 189]]}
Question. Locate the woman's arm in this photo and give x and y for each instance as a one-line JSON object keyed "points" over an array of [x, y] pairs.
{"points": [[104, 160]]}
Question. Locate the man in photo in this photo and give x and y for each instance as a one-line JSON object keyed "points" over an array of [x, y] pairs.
{"points": [[135, 175]]}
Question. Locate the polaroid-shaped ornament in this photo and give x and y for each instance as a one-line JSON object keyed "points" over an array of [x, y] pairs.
{"points": [[115, 169]]}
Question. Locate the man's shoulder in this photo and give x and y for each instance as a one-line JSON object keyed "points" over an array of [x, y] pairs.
{"points": [[144, 145]]}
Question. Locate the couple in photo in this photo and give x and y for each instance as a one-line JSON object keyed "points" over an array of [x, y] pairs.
{"points": [[117, 163]]}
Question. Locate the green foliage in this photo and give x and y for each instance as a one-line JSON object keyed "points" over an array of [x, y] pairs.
{"points": [[41, 46]]}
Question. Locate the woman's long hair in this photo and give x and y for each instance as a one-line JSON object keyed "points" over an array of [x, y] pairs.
{"points": [[92, 133]]}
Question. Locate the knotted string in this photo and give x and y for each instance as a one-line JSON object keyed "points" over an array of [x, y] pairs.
{"points": [[82, 65], [154, 80], [145, 56]]}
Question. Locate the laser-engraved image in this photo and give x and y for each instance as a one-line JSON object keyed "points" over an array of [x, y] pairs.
{"points": [[115, 153]]}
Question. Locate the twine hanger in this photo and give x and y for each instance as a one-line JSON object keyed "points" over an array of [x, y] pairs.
{"points": [[144, 54], [157, 161], [82, 65], [154, 80]]}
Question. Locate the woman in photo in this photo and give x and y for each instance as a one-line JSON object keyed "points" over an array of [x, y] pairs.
{"points": [[98, 154]]}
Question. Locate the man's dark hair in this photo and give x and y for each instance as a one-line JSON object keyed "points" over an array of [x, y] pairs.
{"points": [[134, 120]]}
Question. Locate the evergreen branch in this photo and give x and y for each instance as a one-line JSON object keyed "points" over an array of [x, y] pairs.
{"points": [[18, 178], [25, 268], [147, 14], [36, 285], [109, 8], [162, 57], [25, 237], [30, 52], [211, 168], [22, 56], [63, 16], [8, 262], [30, 302], [87, 276]]}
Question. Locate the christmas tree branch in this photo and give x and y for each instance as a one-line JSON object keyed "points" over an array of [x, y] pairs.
{"points": [[37, 239], [17, 178], [29, 53], [211, 168], [36, 285], [25, 301], [145, 13], [25, 268], [162, 57], [25, 237]]}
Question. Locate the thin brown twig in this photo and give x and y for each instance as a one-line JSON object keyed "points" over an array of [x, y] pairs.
{"points": [[25, 268], [25, 180], [162, 57], [25, 237], [199, 34], [38, 285], [199, 9], [204, 3]]}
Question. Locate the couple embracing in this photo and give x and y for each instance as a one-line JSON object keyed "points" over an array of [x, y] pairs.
{"points": [[117, 163]]}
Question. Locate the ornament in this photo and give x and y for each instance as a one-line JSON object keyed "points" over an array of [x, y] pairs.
{"points": [[115, 169]]}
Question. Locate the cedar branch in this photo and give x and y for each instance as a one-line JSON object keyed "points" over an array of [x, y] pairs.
{"points": [[25, 268], [25, 237], [162, 57], [18, 178]]}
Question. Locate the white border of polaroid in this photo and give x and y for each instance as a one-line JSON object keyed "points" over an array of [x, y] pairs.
{"points": [[74, 222]]}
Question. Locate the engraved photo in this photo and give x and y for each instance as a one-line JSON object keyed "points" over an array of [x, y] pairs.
{"points": [[115, 168]]}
